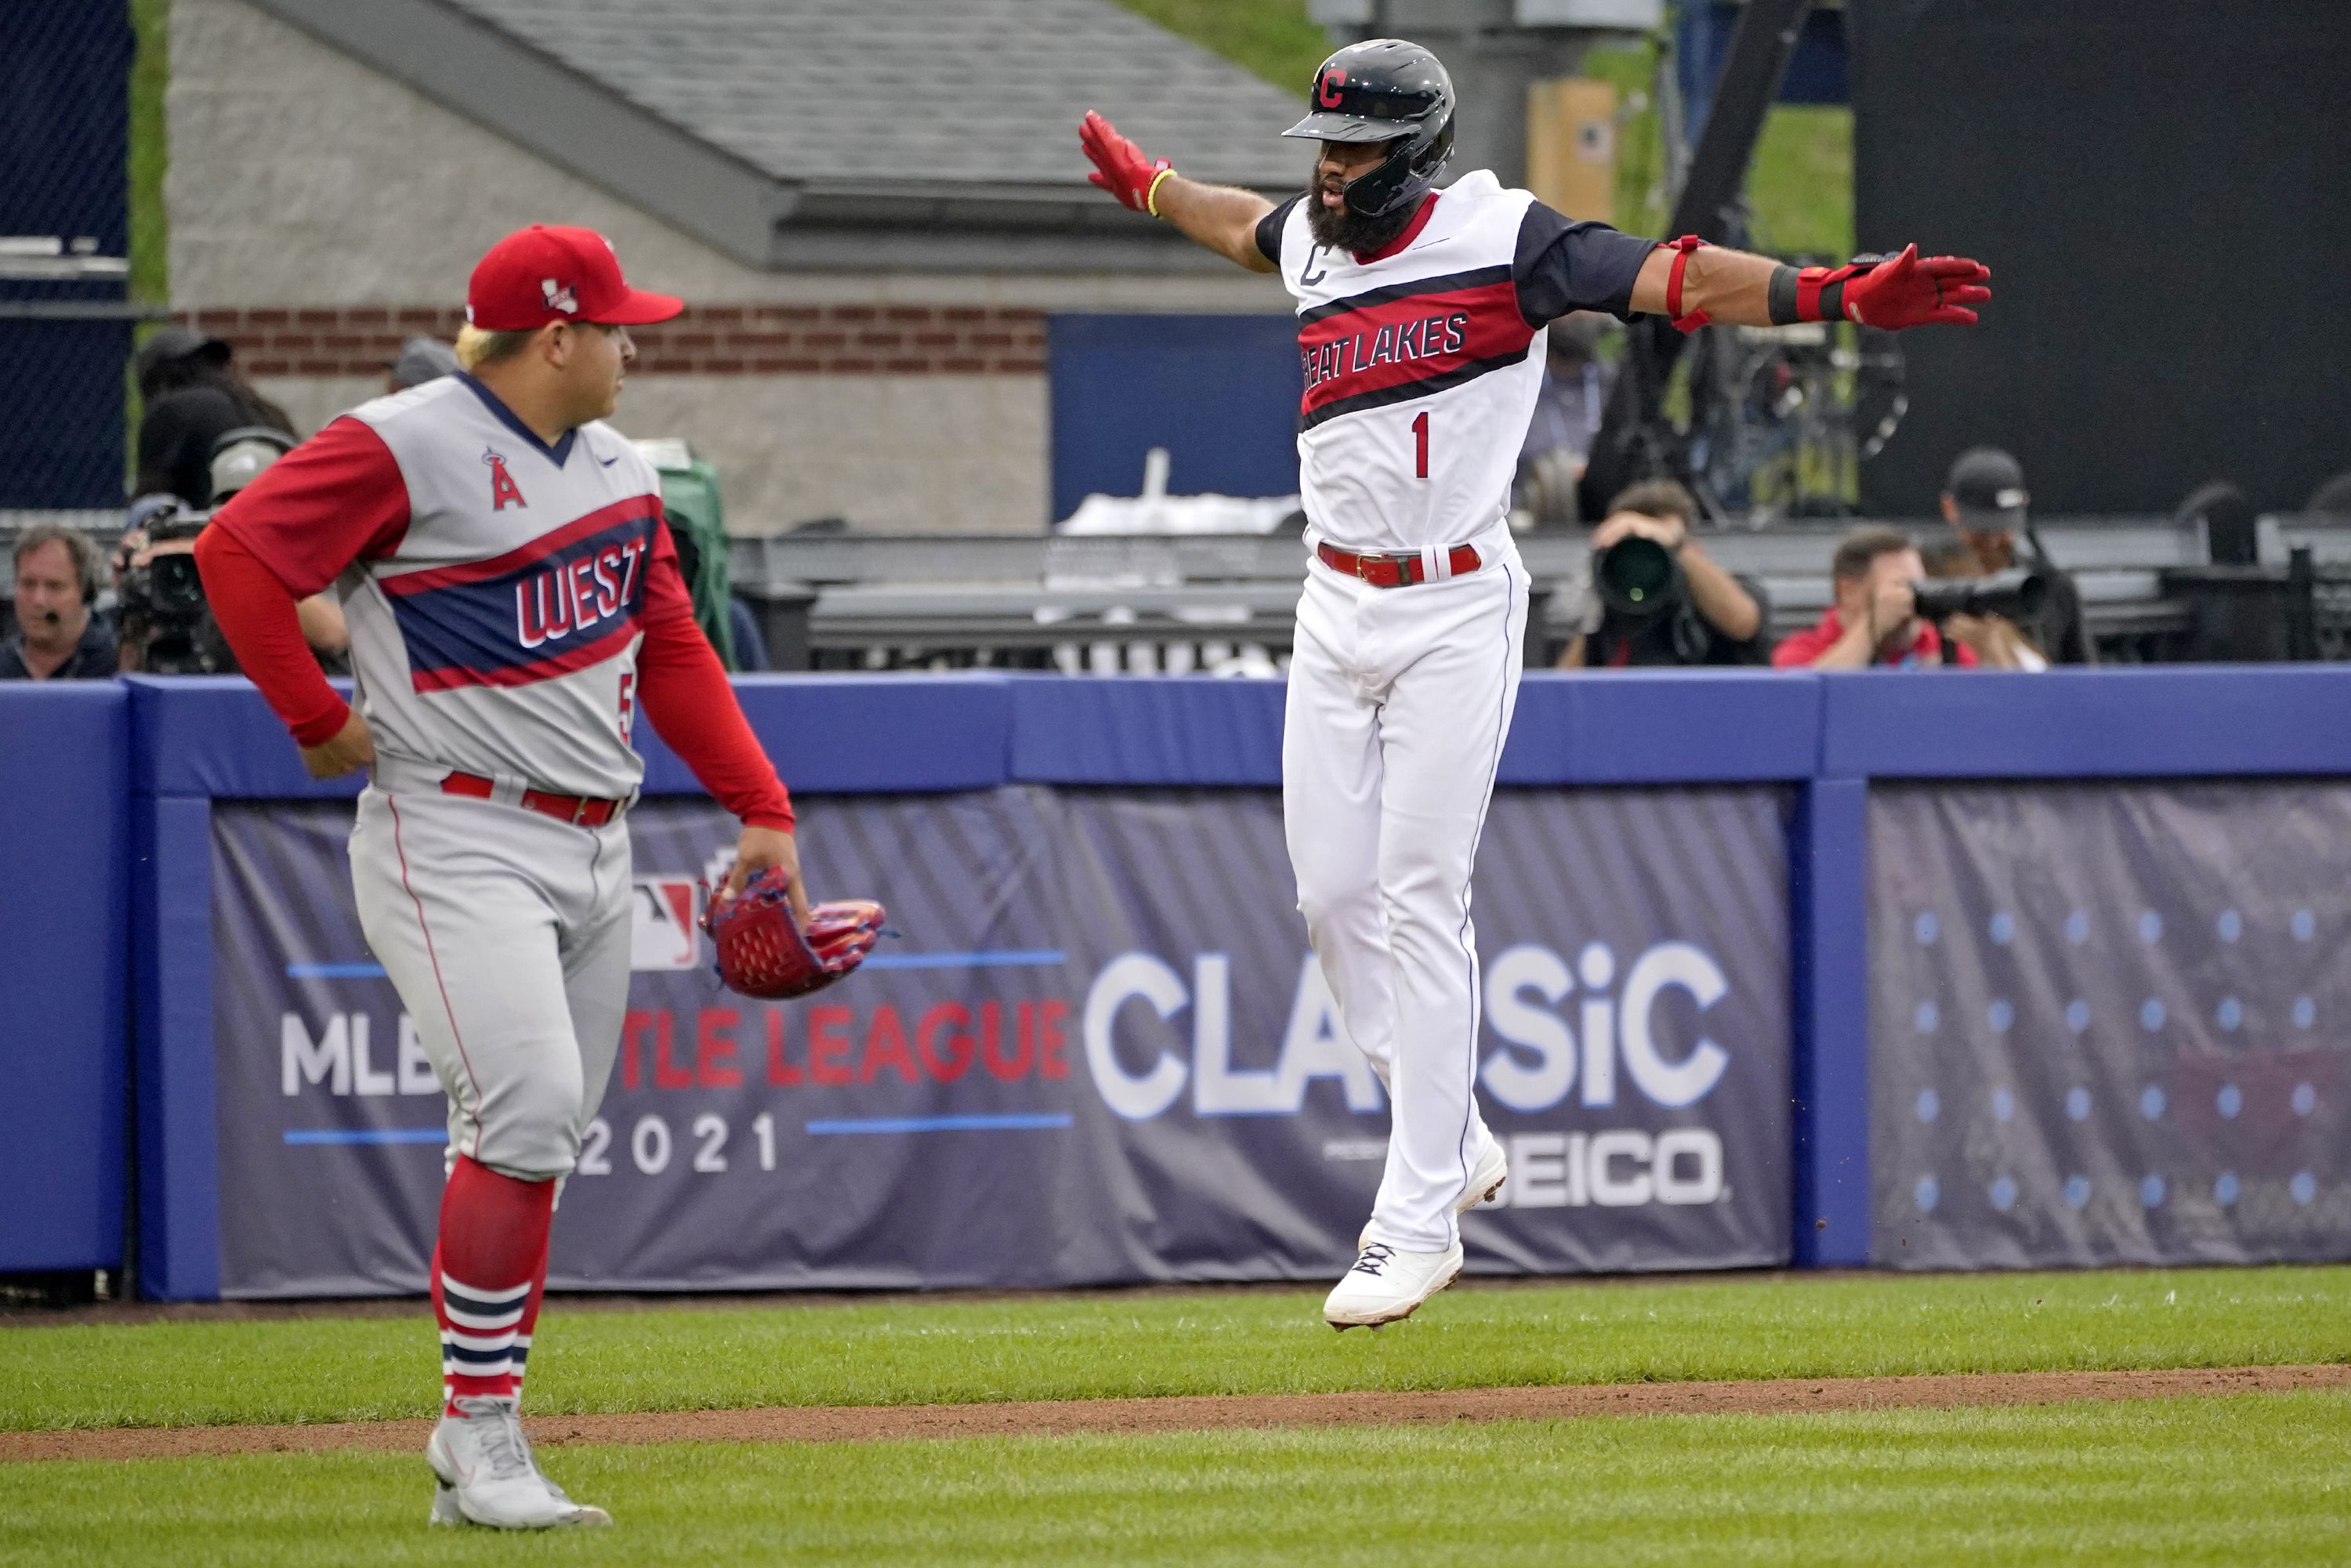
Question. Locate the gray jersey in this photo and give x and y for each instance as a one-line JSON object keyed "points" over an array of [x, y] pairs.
{"points": [[495, 585]]}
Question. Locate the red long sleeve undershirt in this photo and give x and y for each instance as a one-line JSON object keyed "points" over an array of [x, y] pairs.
{"points": [[681, 686], [257, 614], [691, 705]]}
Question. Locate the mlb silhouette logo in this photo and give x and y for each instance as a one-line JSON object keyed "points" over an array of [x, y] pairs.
{"points": [[664, 930]]}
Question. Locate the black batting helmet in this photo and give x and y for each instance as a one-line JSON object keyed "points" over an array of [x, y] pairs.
{"points": [[1385, 90]]}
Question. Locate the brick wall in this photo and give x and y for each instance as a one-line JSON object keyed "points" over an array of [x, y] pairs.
{"points": [[710, 339]]}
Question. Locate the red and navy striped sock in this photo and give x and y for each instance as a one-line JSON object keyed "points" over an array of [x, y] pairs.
{"points": [[488, 1270]]}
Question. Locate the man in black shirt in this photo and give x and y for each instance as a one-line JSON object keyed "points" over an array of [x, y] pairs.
{"points": [[1984, 501], [1715, 618], [58, 637]]}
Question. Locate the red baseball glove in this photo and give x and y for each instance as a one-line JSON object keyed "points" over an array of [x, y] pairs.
{"points": [[764, 952], [1906, 291], [1120, 166]]}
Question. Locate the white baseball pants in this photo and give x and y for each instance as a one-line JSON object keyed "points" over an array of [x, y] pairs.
{"points": [[1399, 699], [507, 934]]}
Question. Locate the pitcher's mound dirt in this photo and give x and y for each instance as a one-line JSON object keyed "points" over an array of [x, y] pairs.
{"points": [[1192, 1413]]}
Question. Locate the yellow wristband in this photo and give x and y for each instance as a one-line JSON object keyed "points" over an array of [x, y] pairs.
{"points": [[1151, 196]]}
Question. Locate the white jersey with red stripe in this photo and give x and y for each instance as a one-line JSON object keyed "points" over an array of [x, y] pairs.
{"points": [[1422, 360], [499, 634]]}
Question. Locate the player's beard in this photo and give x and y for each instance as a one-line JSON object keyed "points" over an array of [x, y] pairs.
{"points": [[1349, 230]]}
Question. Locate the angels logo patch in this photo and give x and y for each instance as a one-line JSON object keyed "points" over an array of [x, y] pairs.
{"points": [[503, 489]]}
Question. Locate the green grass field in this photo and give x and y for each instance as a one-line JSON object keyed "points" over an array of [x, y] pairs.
{"points": [[1222, 1342], [2241, 1481], [2252, 1478]]}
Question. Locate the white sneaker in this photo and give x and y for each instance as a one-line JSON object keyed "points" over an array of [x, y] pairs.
{"points": [[488, 1476], [1388, 1282], [1493, 1168]]}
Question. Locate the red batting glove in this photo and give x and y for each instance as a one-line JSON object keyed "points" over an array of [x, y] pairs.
{"points": [[1120, 166], [1907, 292]]}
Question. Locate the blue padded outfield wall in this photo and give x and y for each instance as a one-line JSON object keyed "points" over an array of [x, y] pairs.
{"points": [[64, 973], [1914, 970]]}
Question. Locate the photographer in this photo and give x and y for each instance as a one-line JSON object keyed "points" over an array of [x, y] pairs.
{"points": [[1656, 597], [1984, 501], [1875, 618], [193, 397], [59, 637]]}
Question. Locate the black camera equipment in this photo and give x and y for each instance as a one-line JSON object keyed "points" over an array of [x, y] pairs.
{"points": [[1638, 579], [162, 609], [2017, 593]]}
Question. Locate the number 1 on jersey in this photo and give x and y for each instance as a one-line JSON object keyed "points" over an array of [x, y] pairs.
{"points": [[1420, 444]]}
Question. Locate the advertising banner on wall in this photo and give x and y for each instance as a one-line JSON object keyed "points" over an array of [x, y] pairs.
{"points": [[2107, 1023], [1095, 1051]]}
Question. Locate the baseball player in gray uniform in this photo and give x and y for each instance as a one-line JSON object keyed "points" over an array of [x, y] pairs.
{"points": [[1421, 323], [513, 598]]}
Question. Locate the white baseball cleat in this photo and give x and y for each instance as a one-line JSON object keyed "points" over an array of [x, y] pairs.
{"points": [[1387, 1283], [1485, 1181], [487, 1475]]}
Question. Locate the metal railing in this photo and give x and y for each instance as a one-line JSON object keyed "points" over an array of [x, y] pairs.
{"points": [[929, 600], [837, 601]]}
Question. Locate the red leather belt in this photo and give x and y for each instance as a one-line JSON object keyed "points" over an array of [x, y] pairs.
{"points": [[586, 811], [1394, 570]]}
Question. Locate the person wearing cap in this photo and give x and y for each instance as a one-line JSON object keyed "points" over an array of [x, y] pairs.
{"points": [[421, 359], [513, 598], [1984, 501], [192, 394]]}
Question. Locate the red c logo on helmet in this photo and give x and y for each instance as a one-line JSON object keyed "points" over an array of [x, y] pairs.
{"points": [[1326, 93]]}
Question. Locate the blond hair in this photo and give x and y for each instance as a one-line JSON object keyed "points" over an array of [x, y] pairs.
{"points": [[477, 346]]}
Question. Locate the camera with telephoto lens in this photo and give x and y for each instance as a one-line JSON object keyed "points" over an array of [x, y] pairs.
{"points": [[2017, 593], [1638, 579], [164, 617]]}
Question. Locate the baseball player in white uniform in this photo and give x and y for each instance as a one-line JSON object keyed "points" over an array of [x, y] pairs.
{"points": [[1421, 318], [514, 598]]}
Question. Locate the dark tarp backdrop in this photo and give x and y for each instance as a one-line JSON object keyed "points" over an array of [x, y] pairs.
{"points": [[2156, 185]]}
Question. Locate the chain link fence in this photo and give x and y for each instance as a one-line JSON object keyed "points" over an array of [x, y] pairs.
{"points": [[66, 318]]}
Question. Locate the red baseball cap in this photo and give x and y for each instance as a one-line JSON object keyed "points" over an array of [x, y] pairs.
{"points": [[544, 274]]}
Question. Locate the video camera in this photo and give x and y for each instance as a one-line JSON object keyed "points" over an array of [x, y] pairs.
{"points": [[2017, 593], [163, 616]]}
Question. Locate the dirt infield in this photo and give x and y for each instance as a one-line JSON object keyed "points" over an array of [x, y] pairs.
{"points": [[1193, 1413]]}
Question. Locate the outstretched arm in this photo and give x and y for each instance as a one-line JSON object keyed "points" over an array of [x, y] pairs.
{"points": [[1692, 284], [1220, 218]]}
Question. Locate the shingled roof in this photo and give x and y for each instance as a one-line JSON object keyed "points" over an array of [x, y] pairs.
{"points": [[840, 132]]}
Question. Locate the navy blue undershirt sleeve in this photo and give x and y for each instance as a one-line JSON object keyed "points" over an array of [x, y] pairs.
{"points": [[1268, 229], [1565, 264]]}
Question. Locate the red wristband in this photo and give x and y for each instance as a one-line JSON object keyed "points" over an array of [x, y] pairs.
{"points": [[1820, 291], [1681, 248]]}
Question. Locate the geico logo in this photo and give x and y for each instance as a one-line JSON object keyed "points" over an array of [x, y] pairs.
{"points": [[1543, 1061], [1620, 1169], [1312, 1044]]}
